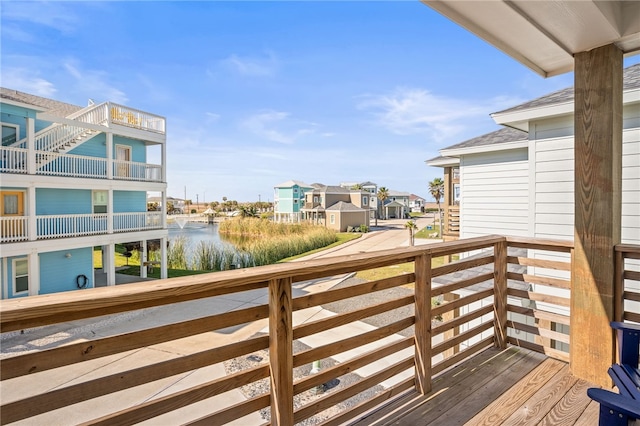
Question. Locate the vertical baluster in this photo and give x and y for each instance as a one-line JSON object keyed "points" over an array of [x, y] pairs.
{"points": [[423, 323]]}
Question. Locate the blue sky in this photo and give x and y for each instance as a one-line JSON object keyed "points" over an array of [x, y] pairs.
{"points": [[257, 93]]}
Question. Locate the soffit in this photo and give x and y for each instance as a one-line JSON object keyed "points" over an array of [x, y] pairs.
{"points": [[545, 34]]}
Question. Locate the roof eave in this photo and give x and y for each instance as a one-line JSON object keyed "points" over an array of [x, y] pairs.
{"points": [[485, 148]]}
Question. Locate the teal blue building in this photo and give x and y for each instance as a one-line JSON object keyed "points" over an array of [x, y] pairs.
{"points": [[73, 184], [288, 199]]}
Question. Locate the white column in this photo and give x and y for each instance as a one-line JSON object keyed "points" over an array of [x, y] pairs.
{"points": [[110, 265], [164, 160], [31, 146], [109, 148], [163, 258], [34, 273], [164, 209], [110, 211], [143, 259], [32, 223]]}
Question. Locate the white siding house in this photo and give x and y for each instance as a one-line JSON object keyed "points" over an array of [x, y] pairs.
{"points": [[519, 180]]}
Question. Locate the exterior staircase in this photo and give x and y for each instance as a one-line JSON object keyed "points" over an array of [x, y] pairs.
{"points": [[61, 137]]}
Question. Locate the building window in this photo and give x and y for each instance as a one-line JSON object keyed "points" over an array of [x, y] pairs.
{"points": [[295, 201], [295, 190], [332, 219], [123, 158], [315, 199], [10, 134], [364, 201], [20, 276], [100, 201]]}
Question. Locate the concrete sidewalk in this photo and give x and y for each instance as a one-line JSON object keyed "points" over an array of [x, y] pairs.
{"points": [[391, 234]]}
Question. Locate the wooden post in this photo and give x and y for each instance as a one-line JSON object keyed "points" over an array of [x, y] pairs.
{"points": [[598, 188], [281, 351], [500, 294], [423, 323], [448, 189], [618, 282]]}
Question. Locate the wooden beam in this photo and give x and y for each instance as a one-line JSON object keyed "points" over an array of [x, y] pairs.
{"points": [[281, 351], [598, 171]]}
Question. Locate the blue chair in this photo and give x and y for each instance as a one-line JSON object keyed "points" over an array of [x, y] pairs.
{"points": [[617, 409]]}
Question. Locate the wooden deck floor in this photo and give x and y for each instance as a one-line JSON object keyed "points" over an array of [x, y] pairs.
{"points": [[511, 387]]}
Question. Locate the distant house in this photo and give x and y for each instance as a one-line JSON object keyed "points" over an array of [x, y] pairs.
{"points": [[416, 203], [177, 204], [396, 206], [288, 198], [371, 188], [73, 183], [337, 207]]}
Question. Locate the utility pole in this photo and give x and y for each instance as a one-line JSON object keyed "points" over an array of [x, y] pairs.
{"points": [[197, 203]]}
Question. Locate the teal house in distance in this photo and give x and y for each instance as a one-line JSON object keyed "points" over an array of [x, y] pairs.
{"points": [[288, 200]]}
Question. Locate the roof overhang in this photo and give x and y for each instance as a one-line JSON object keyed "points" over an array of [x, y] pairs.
{"points": [[443, 162], [545, 34], [485, 148], [520, 119], [22, 104]]}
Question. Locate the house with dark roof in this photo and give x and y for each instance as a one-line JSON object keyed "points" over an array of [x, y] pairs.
{"points": [[337, 207], [519, 180], [73, 182]]}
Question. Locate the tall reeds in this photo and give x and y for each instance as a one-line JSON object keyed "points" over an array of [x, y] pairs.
{"points": [[262, 243]]}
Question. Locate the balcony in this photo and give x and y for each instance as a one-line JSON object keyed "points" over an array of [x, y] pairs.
{"points": [[465, 342], [15, 160], [16, 228]]}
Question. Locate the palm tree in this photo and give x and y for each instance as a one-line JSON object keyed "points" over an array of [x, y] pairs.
{"points": [[383, 194], [411, 226], [436, 189]]}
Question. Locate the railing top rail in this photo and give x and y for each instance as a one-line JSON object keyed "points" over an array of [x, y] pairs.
{"points": [[628, 248], [149, 114], [540, 243], [41, 310]]}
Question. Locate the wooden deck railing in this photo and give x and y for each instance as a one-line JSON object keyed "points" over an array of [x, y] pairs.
{"points": [[627, 283], [452, 220], [483, 316]]}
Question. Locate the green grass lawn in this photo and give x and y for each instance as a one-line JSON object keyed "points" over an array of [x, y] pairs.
{"points": [[393, 270], [425, 233], [343, 237]]}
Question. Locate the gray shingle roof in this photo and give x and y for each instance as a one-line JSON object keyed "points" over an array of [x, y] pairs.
{"points": [[343, 206], [630, 79], [51, 106], [504, 135]]}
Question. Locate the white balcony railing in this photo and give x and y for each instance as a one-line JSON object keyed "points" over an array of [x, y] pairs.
{"points": [[126, 222], [71, 225], [129, 170], [13, 160], [130, 117], [13, 228], [53, 164]]}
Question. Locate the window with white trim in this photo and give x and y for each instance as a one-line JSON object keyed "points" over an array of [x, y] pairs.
{"points": [[100, 201], [364, 201], [20, 276], [332, 219], [10, 134]]}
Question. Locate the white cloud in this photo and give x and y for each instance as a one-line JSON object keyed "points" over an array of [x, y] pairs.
{"points": [[212, 117], [414, 111], [27, 81], [95, 84], [278, 127], [60, 16], [265, 65]]}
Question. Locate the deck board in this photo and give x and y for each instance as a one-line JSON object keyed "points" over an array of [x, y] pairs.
{"points": [[511, 387]]}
